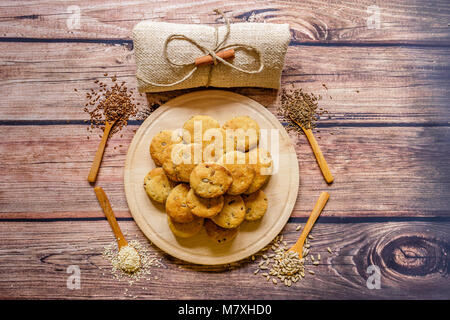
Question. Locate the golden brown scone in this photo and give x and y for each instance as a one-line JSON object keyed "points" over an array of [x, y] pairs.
{"points": [[160, 143], [176, 206], [180, 160], [247, 132], [185, 230], [206, 122], [219, 234], [157, 185], [241, 172], [255, 205], [190, 155], [204, 207], [215, 143], [262, 163], [210, 180], [232, 214], [168, 166]]}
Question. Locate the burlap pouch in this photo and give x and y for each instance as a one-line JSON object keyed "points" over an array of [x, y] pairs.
{"points": [[164, 65]]}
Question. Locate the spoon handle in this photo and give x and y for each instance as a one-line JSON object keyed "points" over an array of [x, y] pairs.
{"points": [[99, 154], [319, 156], [106, 206], [315, 213]]}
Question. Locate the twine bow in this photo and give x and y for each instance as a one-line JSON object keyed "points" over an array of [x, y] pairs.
{"points": [[212, 52]]}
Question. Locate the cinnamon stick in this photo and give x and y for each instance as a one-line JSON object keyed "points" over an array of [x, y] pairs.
{"points": [[205, 60]]}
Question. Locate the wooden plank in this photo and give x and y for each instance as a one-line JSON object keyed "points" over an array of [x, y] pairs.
{"points": [[412, 257], [365, 84], [379, 171], [309, 20]]}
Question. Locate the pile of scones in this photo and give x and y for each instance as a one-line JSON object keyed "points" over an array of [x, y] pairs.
{"points": [[209, 176]]}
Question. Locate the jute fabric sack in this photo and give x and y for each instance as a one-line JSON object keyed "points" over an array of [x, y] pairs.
{"points": [[165, 54]]}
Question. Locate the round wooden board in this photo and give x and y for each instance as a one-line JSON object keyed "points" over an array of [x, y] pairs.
{"points": [[281, 189]]}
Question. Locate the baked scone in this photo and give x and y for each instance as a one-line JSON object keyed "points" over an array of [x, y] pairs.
{"points": [[255, 205], [210, 180], [168, 166], [160, 143], [185, 230], [241, 172], [232, 214], [219, 234], [261, 161], [246, 130], [157, 185], [176, 206], [189, 126], [204, 207], [215, 143], [180, 160]]}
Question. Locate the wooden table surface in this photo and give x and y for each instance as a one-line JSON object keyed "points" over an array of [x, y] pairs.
{"points": [[387, 143]]}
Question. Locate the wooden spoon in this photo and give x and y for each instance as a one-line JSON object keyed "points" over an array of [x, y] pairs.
{"points": [[320, 204], [99, 154], [317, 153], [106, 206]]}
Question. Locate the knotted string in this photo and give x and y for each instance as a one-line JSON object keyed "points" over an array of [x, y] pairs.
{"points": [[212, 52]]}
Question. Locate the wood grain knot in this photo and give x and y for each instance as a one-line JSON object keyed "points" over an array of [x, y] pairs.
{"points": [[307, 29], [415, 256]]}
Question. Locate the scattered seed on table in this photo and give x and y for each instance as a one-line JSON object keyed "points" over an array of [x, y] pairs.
{"points": [[298, 228], [311, 237], [329, 250], [311, 272], [256, 271], [274, 281], [318, 256]]}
